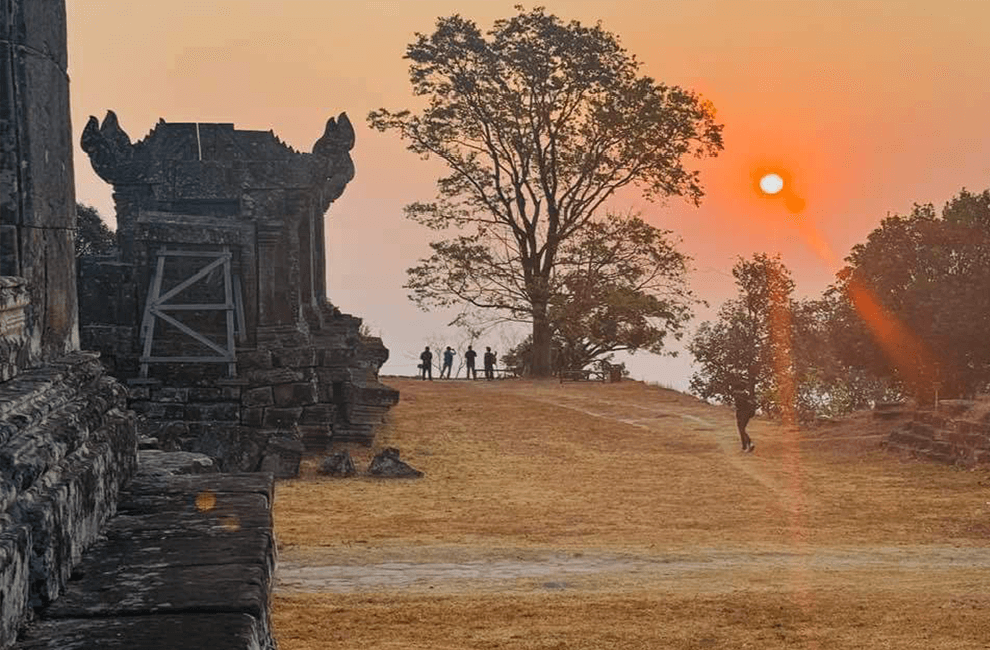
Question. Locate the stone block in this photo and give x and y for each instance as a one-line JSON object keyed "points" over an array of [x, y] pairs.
{"points": [[339, 464], [282, 418], [386, 464], [197, 631], [258, 397], [15, 556], [282, 457], [374, 394], [206, 394], [295, 358], [253, 417], [253, 360], [52, 285], [337, 357], [188, 555], [295, 394], [213, 412], [170, 395], [172, 435], [235, 448], [954, 407], [275, 376], [315, 438], [139, 393], [171, 463], [232, 393], [38, 25], [317, 414], [159, 410]]}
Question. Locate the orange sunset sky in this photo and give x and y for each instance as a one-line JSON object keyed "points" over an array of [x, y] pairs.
{"points": [[868, 105]]}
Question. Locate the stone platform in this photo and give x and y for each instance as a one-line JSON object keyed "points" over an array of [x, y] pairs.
{"points": [[188, 562]]}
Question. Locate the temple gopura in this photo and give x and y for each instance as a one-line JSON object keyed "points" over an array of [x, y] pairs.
{"points": [[214, 310]]}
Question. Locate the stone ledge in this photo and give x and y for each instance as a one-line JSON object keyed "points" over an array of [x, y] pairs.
{"points": [[165, 632], [189, 562]]}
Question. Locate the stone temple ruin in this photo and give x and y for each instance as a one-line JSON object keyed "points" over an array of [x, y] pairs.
{"points": [[214, 314], [215, 310]]}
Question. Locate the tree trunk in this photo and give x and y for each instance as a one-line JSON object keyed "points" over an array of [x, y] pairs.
{"points": [[541, 341]]}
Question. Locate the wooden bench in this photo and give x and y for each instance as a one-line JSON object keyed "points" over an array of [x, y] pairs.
{"points": [[602, 371], [586, 374], [502, 373]]}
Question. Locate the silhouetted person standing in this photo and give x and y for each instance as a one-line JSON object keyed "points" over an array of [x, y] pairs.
{"points": [[745, 410], [426, 359], [489, 364], [469, 357], [448, 361]]}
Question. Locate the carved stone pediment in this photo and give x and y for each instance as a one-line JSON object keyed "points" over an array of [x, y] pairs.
{"points": [[186, 152]]}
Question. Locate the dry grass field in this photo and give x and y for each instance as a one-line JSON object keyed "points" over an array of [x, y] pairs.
{"points": [[624, 516]]}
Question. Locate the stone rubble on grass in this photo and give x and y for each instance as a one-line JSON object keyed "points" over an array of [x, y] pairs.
{"points": [[338, 464], [386, 464]]}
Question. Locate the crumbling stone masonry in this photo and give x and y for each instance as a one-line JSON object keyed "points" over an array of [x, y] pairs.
{"points": [[215, 309], [66, 444], [945, 437]]}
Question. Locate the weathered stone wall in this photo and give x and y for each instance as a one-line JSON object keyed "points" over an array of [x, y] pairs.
{"points": [[66, 447], [15, 345], [37, 196], [943, 438], [188, 562]]}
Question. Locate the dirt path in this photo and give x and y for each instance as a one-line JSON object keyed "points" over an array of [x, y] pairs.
{"points": [[712, 570]]}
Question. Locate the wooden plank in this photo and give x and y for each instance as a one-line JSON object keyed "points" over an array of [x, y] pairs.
{"points": [[228, 296], [185, 360], [239, 304], [195, 253], [205, 306], [190, 331], [148, 323], [196, 278]]}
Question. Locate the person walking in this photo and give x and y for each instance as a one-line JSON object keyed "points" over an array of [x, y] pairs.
{"points": [[469, 357], [448, 361], [745, 410], [426, 363], [489, 364]]}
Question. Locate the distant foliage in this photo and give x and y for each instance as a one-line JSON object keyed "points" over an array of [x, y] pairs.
{"points": [[747, 352], [929, 276], [539, 122], [93, 236], [909, 315]]}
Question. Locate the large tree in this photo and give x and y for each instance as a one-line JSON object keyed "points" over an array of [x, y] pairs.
{"points": [[916, 299], [539, 122]]}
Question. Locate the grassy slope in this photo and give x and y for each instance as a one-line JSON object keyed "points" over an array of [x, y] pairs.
{"points": [[519, 467]]}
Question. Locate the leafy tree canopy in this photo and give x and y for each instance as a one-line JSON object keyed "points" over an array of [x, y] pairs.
{"points": [[746, 352], [93, 236], [915, 299], [620, 285], [539, 122]]}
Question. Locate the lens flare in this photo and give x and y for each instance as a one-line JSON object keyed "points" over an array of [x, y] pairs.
{"points": [[206, 500]]}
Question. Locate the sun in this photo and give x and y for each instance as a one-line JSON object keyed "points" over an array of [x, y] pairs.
{"points": [[771, 184]]}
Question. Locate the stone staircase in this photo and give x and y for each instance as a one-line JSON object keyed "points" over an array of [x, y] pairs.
{"points": [[943, 437]]}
